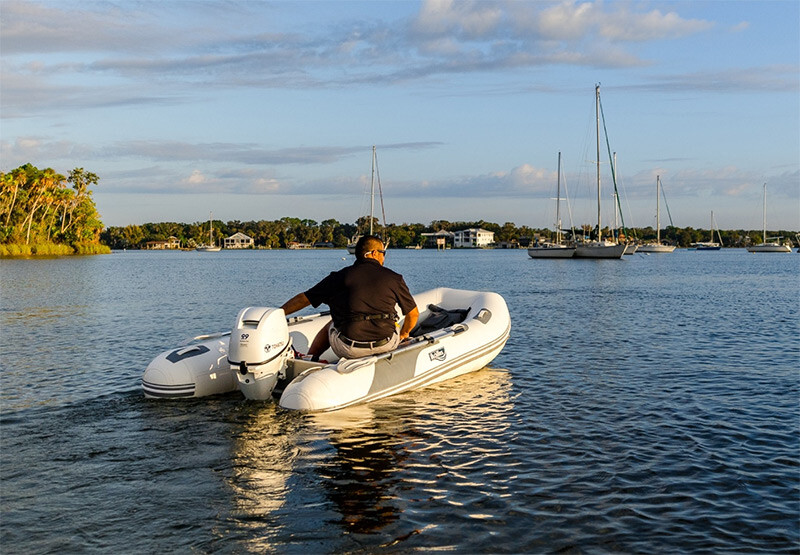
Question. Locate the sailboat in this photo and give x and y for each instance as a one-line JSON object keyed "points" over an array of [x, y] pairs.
{"points": [[657, 247], [547, 249], [210, 247], [710, 245], [351, 246], [765, 246], [599, 248]]}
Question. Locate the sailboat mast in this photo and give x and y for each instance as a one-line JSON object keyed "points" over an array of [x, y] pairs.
{"points": [[764, 217], [615, 198], [372, 192], [658, 211], [597, 118], [558, 202], [712, 226]]}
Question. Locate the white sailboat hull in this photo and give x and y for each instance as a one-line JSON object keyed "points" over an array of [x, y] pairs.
{"points": [[769, 247], [551, 250], [656, 248], [600, 249], [203, 368]]}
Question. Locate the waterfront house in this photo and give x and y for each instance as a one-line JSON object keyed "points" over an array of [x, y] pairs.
{"points": [[438, 240], [239, 241], [473, 238], [169, 244]]}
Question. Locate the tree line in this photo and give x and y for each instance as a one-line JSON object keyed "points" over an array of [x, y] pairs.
{"points": [[285, 231], [44, 212]]}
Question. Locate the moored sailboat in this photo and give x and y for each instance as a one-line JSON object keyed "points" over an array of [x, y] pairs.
{"points": [[351, 246], [210, 247], [599, 248], [657, 246], [557, 249], [709, 245], [768, 246]]}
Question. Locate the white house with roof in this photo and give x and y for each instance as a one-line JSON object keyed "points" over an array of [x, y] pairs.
{"points": [[473, 238], [239, 241]]}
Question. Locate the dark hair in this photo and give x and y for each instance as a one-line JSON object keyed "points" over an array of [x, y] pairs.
{"points": [[367, 243]]}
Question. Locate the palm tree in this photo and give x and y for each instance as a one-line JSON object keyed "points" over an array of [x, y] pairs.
{"points": [[16, 179]]}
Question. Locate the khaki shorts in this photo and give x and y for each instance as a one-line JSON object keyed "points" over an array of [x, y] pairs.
{"points": [[343, 349]]}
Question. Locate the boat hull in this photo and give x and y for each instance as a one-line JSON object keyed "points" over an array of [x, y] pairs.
{"points": [[197, 370], [656, 248], [707, 246], [203, 369], [603, 249], [769, 247], [551, 251]]}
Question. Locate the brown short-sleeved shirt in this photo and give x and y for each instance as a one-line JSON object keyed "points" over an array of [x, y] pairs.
{"points": [[365, 288]]}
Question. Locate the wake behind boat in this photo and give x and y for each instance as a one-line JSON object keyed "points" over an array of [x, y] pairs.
{"points": [[458, 332]]}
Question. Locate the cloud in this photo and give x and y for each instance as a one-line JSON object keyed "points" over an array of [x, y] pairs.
{"points": [[38, 148], [167, 52], [773, 78]]}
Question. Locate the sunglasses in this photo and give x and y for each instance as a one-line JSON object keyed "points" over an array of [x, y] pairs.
{"points": [[380, 251]]}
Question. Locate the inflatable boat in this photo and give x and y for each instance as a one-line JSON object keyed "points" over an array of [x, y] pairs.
{"points": [[458, 332]]}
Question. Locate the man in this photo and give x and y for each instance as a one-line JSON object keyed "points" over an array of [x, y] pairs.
{"points": [[362, 299]]}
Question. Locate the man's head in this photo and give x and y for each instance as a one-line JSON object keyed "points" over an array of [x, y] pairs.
{"points": [[370, 246]]}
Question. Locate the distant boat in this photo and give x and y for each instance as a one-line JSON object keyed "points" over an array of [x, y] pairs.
{"points": [[600, 248], [557, 249], [210, 247], [657, 246], [351, 246], [765, 246], [709, 245]]}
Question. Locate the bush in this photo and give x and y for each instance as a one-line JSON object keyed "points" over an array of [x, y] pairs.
{"points": [[51, 249], [91, 248], [15, 249]]}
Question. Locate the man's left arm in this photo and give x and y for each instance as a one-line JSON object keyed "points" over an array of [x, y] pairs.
{"points": [[409, 323]]}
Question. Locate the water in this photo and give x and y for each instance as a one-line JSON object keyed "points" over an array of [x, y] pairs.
{"points": [[640, 406]]}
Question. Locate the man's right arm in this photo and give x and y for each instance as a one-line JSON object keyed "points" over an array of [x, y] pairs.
{"points": [[298, 302]]}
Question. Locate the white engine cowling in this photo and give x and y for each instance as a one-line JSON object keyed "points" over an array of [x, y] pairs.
{"points": [[258, 350]]}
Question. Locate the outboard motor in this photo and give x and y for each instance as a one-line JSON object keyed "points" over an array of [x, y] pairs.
{"points": [[259, 349]]}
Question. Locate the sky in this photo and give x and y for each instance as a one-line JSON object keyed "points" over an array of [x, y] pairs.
{"points": [[258, 110]]}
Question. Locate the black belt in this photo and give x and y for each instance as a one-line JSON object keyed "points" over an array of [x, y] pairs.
{"points": [[363, 344]]}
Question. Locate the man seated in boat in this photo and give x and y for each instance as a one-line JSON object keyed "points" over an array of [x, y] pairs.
{"points": [[362, 299]]}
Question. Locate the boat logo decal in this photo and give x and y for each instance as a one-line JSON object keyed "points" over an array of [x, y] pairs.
{"points": [[275, 346], [439, 354]]}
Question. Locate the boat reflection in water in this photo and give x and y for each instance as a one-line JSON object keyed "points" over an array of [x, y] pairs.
{"points": [[365, 467], [411, 449]]}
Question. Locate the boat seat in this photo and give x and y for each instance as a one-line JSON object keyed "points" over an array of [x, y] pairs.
{"points": [[439, 318]]}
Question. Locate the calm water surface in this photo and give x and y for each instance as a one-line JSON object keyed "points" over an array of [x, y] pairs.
{"points": [[648, 405]]}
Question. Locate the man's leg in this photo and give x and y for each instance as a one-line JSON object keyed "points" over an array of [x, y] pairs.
{"points": [[321, 342]]}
